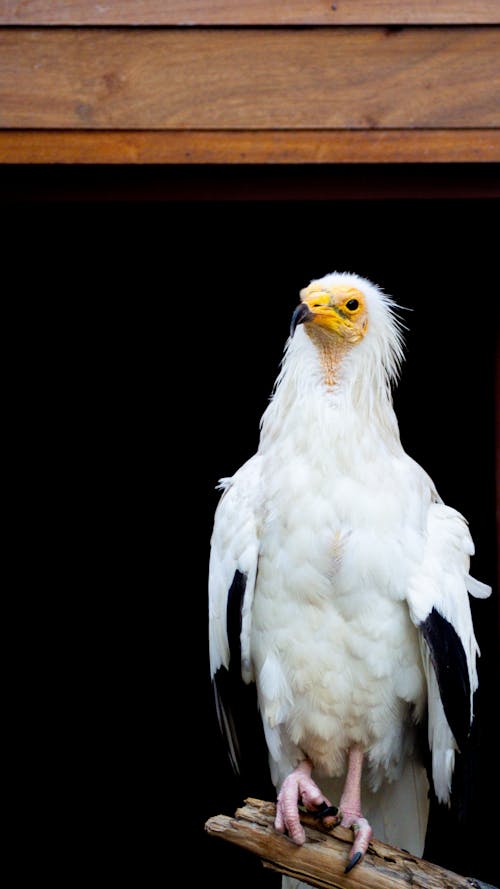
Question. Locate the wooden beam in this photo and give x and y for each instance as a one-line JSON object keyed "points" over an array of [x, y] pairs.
{"points": [[255, 147], [320, 78], [322, 859], [249, 12]]}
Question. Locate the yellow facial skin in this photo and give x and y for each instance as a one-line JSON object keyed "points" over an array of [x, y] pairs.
{"points": [[340, 311]]}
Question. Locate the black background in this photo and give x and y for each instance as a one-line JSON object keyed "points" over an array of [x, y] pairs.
{"points": [[154, 331]]}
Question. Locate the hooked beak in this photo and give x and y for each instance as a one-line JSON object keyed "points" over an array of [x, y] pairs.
{"points": [[302, 313]]}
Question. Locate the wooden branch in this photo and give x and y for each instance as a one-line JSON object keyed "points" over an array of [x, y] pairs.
{"points": [[322, 859]]}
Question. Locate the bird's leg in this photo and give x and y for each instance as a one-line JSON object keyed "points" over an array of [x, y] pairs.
{"points": [[300, 786], [350, 808]]}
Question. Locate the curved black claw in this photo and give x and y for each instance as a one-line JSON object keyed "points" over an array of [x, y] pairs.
{"points": [[325, 811], [352, 862]]}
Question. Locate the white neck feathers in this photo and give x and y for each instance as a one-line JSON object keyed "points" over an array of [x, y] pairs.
{"points": [[354, 401]]}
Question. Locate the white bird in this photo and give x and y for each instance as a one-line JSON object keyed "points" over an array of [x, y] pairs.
{"points": [[339, 584]]}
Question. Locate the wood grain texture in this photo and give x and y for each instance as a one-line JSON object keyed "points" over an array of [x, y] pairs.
{"points": [[249, 12], [322, 859], [321, 78], [256, 147]]}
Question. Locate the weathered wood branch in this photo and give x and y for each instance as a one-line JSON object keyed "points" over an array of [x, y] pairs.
{"points": [[322, 859]]}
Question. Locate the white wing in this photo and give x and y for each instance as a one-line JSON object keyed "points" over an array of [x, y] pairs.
{"points": [[439, 607], [232, 574]]}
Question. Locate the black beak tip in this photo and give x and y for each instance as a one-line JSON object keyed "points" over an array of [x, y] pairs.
{"points": [[302, 313]]}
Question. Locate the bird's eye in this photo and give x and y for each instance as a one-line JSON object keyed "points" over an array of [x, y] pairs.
{"points": [[352, 305]]}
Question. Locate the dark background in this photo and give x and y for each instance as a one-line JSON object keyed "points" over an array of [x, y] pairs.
{"points": [[154, 331]]}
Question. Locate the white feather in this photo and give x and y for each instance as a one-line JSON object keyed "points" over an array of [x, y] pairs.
{"points": [[476, 588], [234, 546]]}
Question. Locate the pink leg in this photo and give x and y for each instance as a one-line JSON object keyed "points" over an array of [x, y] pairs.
{"points": [[297, 786], [350, 807]]}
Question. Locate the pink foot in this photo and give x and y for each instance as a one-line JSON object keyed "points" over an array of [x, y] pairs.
{"points": [[350, 808], [362, 836], [297, 786]]}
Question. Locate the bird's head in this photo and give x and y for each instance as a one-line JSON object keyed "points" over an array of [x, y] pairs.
{"points": [[343, 313], [338, 310]]}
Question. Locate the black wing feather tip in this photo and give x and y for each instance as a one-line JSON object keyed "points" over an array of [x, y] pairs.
{"points": [[228, 682], [450, 665], [225, 717], [237, 706], [234, 614]]}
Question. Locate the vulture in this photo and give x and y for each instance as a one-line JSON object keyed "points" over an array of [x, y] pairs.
{"points": [[339, 585]]}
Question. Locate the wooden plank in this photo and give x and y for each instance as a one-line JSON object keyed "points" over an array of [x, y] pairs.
{"points": [[257, 147], [250, 12], [321, 78]]}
